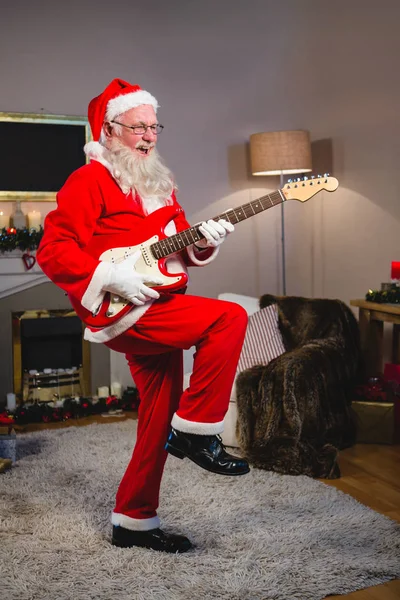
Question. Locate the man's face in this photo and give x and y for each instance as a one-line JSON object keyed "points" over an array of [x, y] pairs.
{"points": [[140, 143]]}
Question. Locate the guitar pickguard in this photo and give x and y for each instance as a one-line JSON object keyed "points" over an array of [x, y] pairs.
{"points": [[145, 265]]}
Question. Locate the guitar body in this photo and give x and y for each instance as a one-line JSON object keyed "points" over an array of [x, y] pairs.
{"points": [[113, 307]]}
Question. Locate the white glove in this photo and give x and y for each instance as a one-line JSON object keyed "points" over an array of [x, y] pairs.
{"points": [[214, 233], [124, 281]]}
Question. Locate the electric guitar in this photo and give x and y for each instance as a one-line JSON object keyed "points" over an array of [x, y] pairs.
{"points": [[155, 247]]}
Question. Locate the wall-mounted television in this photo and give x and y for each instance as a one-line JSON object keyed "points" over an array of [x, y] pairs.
{"points": [[38, 152]]}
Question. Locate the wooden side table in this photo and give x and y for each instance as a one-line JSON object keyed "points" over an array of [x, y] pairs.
{"points": [[372, 316]]}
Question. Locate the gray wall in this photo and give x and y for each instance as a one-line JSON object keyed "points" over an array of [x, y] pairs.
{"points": [[46, 296], [221, 70]]}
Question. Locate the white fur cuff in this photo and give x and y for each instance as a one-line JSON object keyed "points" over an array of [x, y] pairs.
{"points": [[198, 428], [135, 524]]}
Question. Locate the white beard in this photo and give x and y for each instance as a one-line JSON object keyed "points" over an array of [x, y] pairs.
{"points": [[148, 176]]}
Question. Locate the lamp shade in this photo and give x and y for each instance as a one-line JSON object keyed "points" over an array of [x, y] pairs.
{"points": [[276, 152]]}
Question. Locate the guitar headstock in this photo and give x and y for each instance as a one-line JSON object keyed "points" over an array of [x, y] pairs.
{"points": [[303, 189]]}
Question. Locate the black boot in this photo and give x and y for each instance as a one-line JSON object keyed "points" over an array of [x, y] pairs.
{"points": [[207, 451], [156, 539]]}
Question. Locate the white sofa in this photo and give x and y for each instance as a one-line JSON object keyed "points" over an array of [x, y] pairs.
{"points": [[251, 306]]}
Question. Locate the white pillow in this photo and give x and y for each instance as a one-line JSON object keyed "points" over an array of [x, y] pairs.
{"points": [[263, 341]]}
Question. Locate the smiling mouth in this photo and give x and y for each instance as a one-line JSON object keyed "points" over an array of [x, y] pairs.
{"points": [[144, 150]]}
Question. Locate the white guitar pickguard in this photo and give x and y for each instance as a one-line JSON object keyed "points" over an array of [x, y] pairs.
{"points": [[145, 265]]}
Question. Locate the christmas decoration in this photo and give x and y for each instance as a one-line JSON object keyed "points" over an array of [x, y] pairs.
{"points": [[72, 408], [29, 260], [6, 423], [390, 296], [6, 419], [375, 390], [130, 399], [19, 239]]}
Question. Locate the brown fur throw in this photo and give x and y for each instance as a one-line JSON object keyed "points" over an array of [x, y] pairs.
{"points": [[294, 414]]}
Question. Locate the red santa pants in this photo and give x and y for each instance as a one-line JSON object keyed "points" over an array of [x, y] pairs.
{"points": [[154, 350]]}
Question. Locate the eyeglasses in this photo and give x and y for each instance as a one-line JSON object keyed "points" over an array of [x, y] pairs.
{"points": [[142, 129]]}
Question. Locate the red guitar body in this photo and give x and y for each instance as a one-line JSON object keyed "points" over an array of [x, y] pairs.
{"points": [[153, 230]]}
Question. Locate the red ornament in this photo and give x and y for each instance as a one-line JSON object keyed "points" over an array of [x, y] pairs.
{"points": [[11, 230], [6, 419], [29, 260], [112, 401]]}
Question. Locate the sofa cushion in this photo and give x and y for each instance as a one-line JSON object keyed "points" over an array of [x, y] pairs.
{"points": [[263, 341]]}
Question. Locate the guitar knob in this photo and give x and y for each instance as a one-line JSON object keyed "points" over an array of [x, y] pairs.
{"points": [[115, 299]]}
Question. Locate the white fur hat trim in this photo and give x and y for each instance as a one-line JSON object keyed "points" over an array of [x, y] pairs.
{"points": [[120, 104]]}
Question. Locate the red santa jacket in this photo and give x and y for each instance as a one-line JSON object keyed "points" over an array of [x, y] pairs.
{"points": [[91, 204]]}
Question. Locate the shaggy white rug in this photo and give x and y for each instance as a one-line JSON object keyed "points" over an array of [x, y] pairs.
{"points": [[258, 537]]}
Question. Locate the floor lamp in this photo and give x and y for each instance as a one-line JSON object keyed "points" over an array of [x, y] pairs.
{"points": [[280, 153]]}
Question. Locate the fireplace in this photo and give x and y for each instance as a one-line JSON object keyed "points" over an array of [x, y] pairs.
{"points": [[51, 360]]}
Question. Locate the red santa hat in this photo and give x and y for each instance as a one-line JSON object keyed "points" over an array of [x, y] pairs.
{"points": [[118, 97]]}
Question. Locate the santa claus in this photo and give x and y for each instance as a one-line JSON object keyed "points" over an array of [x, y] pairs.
{"points": [[108, 203]]}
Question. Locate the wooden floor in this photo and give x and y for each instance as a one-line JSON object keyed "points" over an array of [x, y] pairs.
{"points": [[370, 473]]}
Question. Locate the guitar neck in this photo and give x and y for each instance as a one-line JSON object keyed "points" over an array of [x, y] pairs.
{"points": [[181, 240]]}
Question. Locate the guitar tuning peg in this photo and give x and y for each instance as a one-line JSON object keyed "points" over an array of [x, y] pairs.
{"points": [[326, 174], [305, 178], [298, 179], [319, 176], [312, 176], [289, 180]]}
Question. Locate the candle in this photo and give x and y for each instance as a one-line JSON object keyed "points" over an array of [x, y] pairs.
{"points": [[396, 270], [4, 220], [103, 391], [116, 389], [34, 219], [11, 402]]}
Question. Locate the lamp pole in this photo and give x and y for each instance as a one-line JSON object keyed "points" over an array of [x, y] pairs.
{"points": [[283, 242]]}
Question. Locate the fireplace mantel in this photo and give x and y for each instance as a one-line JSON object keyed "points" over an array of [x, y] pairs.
{"points": [[15, 277]]}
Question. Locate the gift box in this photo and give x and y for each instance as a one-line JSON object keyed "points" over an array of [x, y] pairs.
{"points": [[391, 375], [8, 446], [375, 422]]}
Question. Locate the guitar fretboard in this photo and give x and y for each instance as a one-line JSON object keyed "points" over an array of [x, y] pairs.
{"points": [[185, 238]]}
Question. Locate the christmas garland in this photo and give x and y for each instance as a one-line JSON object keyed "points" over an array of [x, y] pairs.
{"points": [[19, 239], [391, 296], [72, 408]]}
